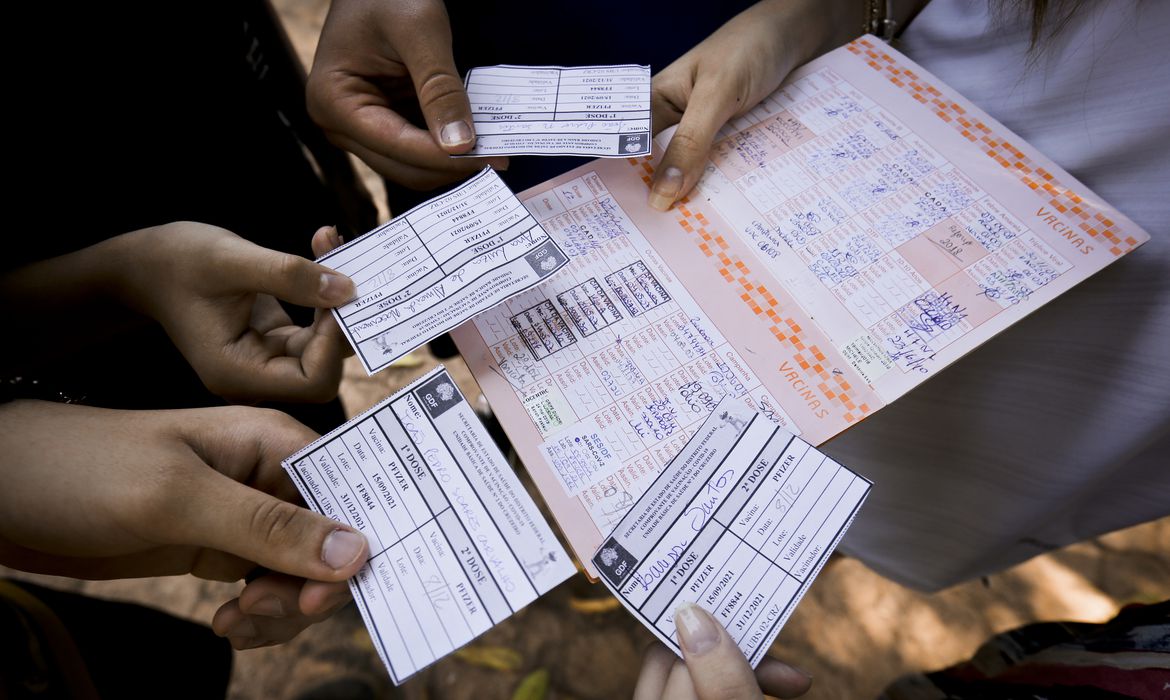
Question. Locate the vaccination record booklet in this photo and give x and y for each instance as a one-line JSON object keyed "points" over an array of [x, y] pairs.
{"points": [[855, 233]]}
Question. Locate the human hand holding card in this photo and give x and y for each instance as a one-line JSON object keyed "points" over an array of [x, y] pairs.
{"points": [[714, 667], [218, 297], [377, 63], [163, 493], [456, 544]]}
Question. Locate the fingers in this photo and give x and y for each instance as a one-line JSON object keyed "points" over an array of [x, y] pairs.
{"points": [[272, 595], [276, 360], [269, 317], [247, 267], [656, 666], [219, 512], [302, 365], [325, 324], [420, 173], [271, 609], [326, 239], [717, 667], [669, 90], [247, 631], [780, 680], [376, 61], [680, 687], [381, 132], [429, 60], [315, 366], [282, 596], [298, 337], [229, 621], [321, 598], [275, 534], [664, 111], [708, 108], [353, 86]]}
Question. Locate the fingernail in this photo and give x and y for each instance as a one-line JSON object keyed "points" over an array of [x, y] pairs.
{"points": [[334, 237], [341, 548], [243, 628], [268, 606], [244, 643], [455, 134], [667, 187], [698, 632], [336, 288]]}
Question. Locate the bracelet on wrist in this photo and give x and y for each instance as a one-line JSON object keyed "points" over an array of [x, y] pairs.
{"points": [[879, 19]]}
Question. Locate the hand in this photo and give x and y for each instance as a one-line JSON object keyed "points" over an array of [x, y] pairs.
{"points": [[215, 295], [96, 493], [715, 668], [725, 76], [377, 62]]}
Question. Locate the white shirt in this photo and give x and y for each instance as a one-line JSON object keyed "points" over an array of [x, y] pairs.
{"points": [[1058, 429]]}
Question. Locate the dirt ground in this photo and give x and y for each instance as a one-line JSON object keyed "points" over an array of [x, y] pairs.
{"points": [[854, 632]]}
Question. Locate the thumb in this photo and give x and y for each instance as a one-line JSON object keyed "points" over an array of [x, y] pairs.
{"points": [[248, 267], [326, 239], [717, 667], [708, 109], [441, 95], [276, 534]]}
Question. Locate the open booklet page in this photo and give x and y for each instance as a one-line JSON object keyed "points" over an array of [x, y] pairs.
{"points": [[855, 233], [456, 543]]}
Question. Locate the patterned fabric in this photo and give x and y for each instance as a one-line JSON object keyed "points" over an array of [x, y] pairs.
{"points": [[1127, 657]]}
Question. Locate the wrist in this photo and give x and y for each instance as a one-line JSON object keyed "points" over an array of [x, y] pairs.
{"points": [[813, 27], [131, 265]]}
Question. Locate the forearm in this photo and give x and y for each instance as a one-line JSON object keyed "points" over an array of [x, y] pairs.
{"points": [[813, 27], [809, 28], [53, 305]]}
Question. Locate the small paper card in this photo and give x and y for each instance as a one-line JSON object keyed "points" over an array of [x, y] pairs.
{"points": [[432, 268], [456, 543], [740, 523], [600, 111]]}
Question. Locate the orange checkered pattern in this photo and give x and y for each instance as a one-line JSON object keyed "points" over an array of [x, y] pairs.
{"points": [[835, 387], [1062, 198]]}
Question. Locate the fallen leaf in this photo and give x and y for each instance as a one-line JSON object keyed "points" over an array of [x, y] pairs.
{"points": [[594, 606], [409, 361], [494, 657], [533, 687], [361, 639]]}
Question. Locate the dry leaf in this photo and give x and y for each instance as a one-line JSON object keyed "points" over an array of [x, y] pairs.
{"points": [[594, 606], [494, 657], [409, 361], [361, 639], [533, 687]]}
